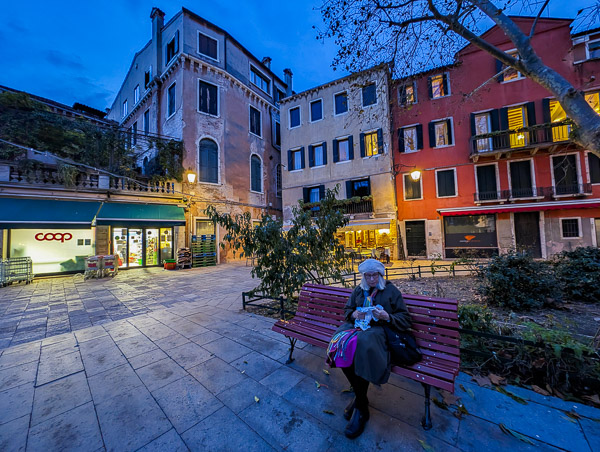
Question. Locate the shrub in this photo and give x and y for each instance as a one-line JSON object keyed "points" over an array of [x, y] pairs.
{"points": [[516, 281], [476, 318], [578, 273]]}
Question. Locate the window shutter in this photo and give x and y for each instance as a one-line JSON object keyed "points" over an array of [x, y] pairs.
{"points": [[473, 128], [369, 187], [401, 140], [321, 192], [531, 113], [419, 136], [499, 67], [302, 159], [290, 161], [336, 151], [351, 147], [348, 189], [311, 156], [446, 84], [449, 127], [504, 118], [324, 152], [431, 135], [177, 41], [495, 120], [362, 144], [429, 87], [306, 194], [380, 148], [402, 95], [546, 110]]}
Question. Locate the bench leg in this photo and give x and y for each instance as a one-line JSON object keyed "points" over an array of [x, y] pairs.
{"points": [[292, 344], [426, 421]]}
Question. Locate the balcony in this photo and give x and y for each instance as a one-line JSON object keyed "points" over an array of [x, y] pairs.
{"points": [[347, 206], [538, 193], [530, 138]]}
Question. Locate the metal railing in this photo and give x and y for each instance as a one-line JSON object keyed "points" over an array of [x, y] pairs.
{"points": [[352, 208], [547, 193]]}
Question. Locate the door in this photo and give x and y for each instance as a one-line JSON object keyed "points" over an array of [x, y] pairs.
{"points": [[597, 225], [520, 179], [415, 238], [135, 248], [151, 247], [166, 243], [120, 245], [527, 233]]}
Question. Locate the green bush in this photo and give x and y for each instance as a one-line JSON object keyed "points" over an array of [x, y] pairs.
{"points": [[578, 273], [518, 282], [476, 318]]}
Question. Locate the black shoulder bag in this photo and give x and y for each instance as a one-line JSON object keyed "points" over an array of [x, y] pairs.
{"points": [[403, 347]]}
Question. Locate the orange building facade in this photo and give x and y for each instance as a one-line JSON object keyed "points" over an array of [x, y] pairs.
{"points": [[498, 170]]}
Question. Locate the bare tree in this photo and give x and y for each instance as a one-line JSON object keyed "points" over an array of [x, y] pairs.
{"points": [[416, 35]]}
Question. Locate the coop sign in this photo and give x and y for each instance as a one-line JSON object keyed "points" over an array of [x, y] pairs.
{"points": [[50, 236]]}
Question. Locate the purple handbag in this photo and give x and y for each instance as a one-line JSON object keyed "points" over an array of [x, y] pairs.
{"points": [[341, 348]]}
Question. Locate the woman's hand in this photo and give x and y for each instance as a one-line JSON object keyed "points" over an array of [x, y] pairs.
{"points": [[358, 315], [381, 314]]}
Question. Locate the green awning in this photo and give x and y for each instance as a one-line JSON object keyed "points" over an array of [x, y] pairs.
{"points": [[122, 214], [34, 213]]}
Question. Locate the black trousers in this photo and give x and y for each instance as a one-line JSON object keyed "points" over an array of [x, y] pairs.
{"points": [[360, 386]]}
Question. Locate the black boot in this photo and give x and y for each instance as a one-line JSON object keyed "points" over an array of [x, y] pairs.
{"points": [[349, 409], [357, 424]]}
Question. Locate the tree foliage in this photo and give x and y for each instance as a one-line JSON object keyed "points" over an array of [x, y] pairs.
{"points": [[417, 35], [29, 123], [285, 260]]}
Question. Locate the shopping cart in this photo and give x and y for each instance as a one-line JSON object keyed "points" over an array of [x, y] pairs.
{"points": [[93, 267], [16, 269], [110, 265]]}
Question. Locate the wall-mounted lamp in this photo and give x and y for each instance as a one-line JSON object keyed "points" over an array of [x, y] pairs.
{"points": [[415, 174], [191, 177]]}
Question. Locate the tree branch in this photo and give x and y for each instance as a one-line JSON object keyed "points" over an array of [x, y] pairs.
{"points": [[407, 22], [537, 17]]}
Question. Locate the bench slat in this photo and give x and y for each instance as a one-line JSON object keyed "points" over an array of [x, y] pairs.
{"points": [[438, 338], [434, 321], [423, 378], [451, 315]]}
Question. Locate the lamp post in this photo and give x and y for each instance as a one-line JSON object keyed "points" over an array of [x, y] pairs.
{"points": [[191, 180]]}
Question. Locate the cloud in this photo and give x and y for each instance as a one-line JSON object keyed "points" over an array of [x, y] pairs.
{"points": [[62, 60]]}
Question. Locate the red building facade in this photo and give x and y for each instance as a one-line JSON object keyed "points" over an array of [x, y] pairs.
{"points": [[498, 171]]}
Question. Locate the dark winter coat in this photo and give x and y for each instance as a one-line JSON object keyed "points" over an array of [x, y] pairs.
{"points": [[372, 358]]}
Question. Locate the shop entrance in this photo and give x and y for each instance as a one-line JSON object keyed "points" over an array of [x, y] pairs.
{"points": [[527, 233], [415, 238], [142, 247]]}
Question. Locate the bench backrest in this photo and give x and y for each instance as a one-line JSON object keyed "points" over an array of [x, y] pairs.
{"points": [[434, 320]]}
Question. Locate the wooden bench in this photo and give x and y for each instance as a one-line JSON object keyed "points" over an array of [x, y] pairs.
{"points": [[434, 323]]}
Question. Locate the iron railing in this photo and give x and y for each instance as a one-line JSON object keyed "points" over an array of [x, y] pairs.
{"points": [[547, 193], [362, 206]]}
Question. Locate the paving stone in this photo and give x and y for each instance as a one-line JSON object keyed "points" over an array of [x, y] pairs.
{"points": [[16, 403], [205, 338], [17, 375], [241, 396], [99, 360], [59, 396], [186, 402], [113, 382], [172, 341], [170, 441], [161, 373], [136, 345], [131, 420], [216, 375], [223, 432], [591, 429], [13, 435], [90, 333], [282, 380], [147, 358], [189, 355], [265, 345], [226, 349], [187, 328], [14, 359], [74, 430], [255, 365], [54, 367]]}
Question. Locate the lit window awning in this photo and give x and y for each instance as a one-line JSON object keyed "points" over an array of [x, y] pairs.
{"points": [[121, 214], [16, 213], [526, 207], [367, 225]]}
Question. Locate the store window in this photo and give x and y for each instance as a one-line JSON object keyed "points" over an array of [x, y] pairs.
{"points": [[205, 227], [470, 233], [142, 247]]}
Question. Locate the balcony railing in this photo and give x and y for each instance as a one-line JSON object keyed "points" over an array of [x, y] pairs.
{"points": [[547, 193], [353, 208], [527, 137], [51, 177]]}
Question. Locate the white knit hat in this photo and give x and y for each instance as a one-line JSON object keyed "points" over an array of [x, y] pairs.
{"points": [[371, 265]]}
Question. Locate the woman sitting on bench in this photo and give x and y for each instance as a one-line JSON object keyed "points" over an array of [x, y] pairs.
{"points": [[359, 345]]}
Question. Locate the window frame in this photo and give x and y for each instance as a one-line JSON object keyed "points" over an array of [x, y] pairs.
{"points": [[577, 169], [290, 127], [149, 72], [298, 149], [450, 132], [413, 84], [136, 94], [587, 49], [323, 156], [168, 60], [310, 118], [198, 46], [250, 108], [531, 171], [420, 181], [218, 115], [364, 137], [520, 76], [411, 126], [430, 82], [579, 229], [437, 190], [200, 181], [261, 75], [262, 184], [588, 167], [497, 175], [125, 109], [275, 124], [278, 180], [146, 121], [335, 113], [174, 101], [362, 94], [347, 139]]}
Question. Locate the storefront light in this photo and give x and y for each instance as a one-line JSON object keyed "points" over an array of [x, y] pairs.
{"points": [[384, 231], [415, 175]]}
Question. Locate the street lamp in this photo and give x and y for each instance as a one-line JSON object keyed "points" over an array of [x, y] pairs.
{"points": [[191, 177], [415, 175]]}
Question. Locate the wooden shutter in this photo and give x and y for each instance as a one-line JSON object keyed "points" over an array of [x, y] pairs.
{"points": [[290, 161], [321, 192], [473, 128], [402, 95], [449, 128], [324, 152], [362, 144], [499, 67], [446, 84], [349, 189], [380, 148], [336, 151], [351, 147], [401, 140], [302, 159], [530, 106], [176, 42], [306, 194], [546, 110], [419, 136], [369, 187], [429, 87], [311, 156], [503, 118], [431, 134]]}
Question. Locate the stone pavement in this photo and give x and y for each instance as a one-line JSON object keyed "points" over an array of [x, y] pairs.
{"points": [[193, 371]]}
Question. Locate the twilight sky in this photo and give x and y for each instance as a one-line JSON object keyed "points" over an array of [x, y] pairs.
{"points": [[79, 51]]}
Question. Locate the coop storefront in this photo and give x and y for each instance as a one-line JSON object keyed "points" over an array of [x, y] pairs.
{"points": [[143, 235], [470, 235], [369, 237]]}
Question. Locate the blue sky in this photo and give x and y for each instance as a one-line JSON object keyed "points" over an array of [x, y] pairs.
{"points": [[80, 51]]}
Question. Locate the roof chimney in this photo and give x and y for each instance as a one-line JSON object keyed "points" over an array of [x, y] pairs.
{"points": [[267, 62], [287, 78], [158, 21]]}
